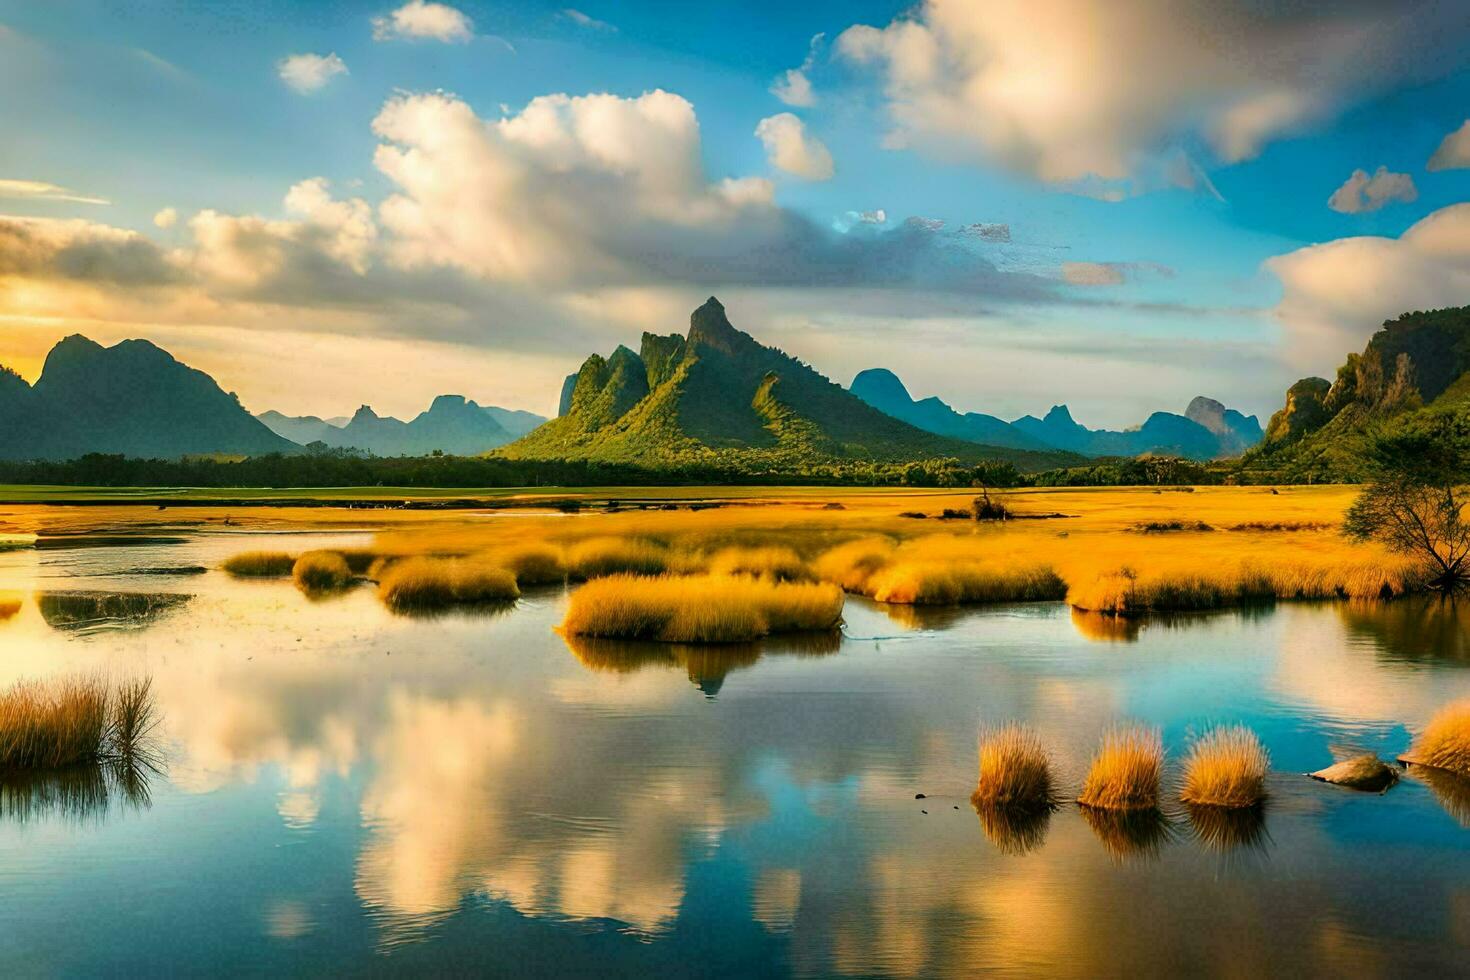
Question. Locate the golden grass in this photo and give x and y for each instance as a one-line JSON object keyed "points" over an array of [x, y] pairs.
{"points": [[1126, 771], [72, 720], [599, 556], [933, 583], [321, 571], [260, 564], [779, 563], [1015, 770], [425, 584], [1226, 767], [699, 608], [9, 606], [850, 566], [532, 564], [358, 560], [1445, 742]]}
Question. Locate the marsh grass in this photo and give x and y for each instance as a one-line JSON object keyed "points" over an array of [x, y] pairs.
{"points": [[532, 564], [1445, 742], [600, 556], [1226, 767], [9, 606], [74, 721], [699, 608], [941, 583], [358, 560], [773, 562], [1015, 771], [321, 571], [429, 584], [850, 566], [260, 564], [1126, 771]]}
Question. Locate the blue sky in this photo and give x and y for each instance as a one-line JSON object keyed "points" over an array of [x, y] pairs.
{"points": [[1149, 190]]}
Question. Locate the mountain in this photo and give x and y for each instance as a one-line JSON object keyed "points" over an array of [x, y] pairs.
{"points": [[451, 425], [882, 389], [1419, 361], [719, 397], [1207, 429], [132, 399]]}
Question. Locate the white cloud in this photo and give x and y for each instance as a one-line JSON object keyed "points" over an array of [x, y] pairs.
{"points": [[166, 218], [794, 85], [1336, 294], [40, 190], [791, 148], [1364, 193], [1453, 152], [421, 20], [309, 72], [1057, 88], [588, 22]]}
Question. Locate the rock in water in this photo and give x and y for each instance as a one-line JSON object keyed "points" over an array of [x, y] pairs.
{"points": [[1365, 772]]}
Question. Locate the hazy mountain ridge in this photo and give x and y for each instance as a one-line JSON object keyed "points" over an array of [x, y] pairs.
{"points": [[1207, 430], [132, 399], [1418, 361], [720, 395], [452, 424]]}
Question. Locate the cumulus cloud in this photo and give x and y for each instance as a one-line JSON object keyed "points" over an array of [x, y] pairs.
{"points": [[40, 190], [588, 22], [166, 218], [1453, 152], [1046, 87], [1336, 294], [791, 148], [309, 72], [421, 20], [794, 86], [1364, 193], [51, 249]]}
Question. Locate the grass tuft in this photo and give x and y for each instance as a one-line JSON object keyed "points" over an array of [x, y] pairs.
{"points": [[1014, 769], [942, 583], [426, 584], [1445, 743], [1226, 767], [532, 564], [699, 608], [1126, 771], [72, 721], [597, 557], [774, 562], [321, 571], [260, 564]]}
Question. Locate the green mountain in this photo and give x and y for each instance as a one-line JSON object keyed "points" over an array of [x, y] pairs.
{"points": [[131, 399], [719, 397], [1420, 361]]}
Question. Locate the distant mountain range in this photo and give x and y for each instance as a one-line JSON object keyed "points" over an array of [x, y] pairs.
{"points": [[1417, 362], [1206, 430], [135, 399], [131, 399], [719, 396], [451, 425]]}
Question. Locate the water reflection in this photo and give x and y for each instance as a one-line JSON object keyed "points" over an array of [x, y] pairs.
{"points": [[706, 665], [1015, 830], [1225, 829], [1107, 629], [78, 794], [1452, 791], [1129, 835], [89, 611], [1414, 628]]}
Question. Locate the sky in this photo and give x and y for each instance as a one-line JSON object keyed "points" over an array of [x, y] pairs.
{"points": [[1113, 204]]}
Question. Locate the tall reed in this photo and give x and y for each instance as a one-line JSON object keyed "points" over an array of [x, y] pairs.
{"points": [[1015, 770], [1126, 771], [1226, 767]]}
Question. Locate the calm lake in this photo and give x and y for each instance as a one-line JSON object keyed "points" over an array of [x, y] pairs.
{"points": [[349, 791]]}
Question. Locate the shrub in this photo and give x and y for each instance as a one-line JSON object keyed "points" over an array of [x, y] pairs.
{"points": [[321, 571], [1445, 743], [260, 564], [1014, 769], [1226, 767], [423, 584], [699, 608], [1126, 771]]}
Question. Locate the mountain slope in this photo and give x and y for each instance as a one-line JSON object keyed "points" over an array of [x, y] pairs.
{"points": [[1419, 360], [719, 397], [132, 399], [882, 389]]}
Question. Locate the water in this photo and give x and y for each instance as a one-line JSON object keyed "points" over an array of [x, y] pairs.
{"points": [[354, 792]]}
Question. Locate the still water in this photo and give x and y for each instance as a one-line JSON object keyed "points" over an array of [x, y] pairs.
{"points": [[349, 791]]}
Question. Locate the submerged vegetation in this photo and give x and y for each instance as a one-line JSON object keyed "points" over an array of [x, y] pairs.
{"points": [[700, 608], [1226, 767], [1126, 771]]}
